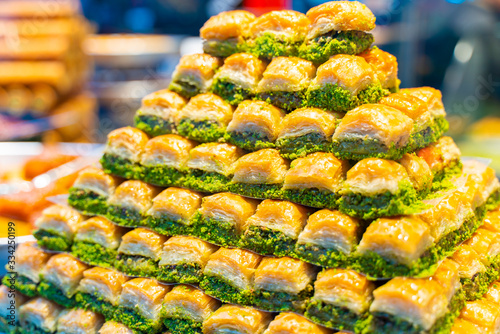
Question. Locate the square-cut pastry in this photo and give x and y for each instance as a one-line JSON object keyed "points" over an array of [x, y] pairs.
{"points": [[343, 83], [205, 118], [130, 202], [211, 166], [377, 188], [419, 172], [385, 66], [443, 157], [337, 27], [237, 319], [60, 278], [222, 218], [183, 259], [139, 253], [315, 180], [292, 323], [413, 305], [285, 82], [372, 130], [487, 244], [172, 210], [396, 246], [493, 293], [91, 190], [113, 327], [277, 33], [96, 241], [79, 321], [56, 227], [185, 308], [123, 152], [228, 275], [283, 284], [492, 221], [140, 305], [99, 290], [473, 273], [255, 125], [159, 113], [431, 96], [165, 159], [193, 74], [259, 174], [25, 274], [328, 239], [306, 130], [484, 314], [275, 227], [447, 275], [461, 326], [224, 34], [10, 302], [485, 183], [341, 300], [238, 78], [38, 316]]}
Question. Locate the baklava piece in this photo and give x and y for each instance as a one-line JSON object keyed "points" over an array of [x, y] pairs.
{"points": [[211, 166], [224, 34], [56, 227], [315, 180], [165, 160], [130, 202], [485, 184], [99, 290], [91, 190], [413, 305], [228, 275], [329, 239], [79, 321], [255, 125], [222, 218], [60, 278], [337, 27], [159, 113], [385, 66], [277, 34], [205, 118], [113, 327], [378, 188], [139, 253], [396, 246], [461, 326], [38, 316], [372, 130], [123, 153], [237, 319], [443, 157], [185, 308], [306, 130], [96, 241], [259, 174], [341, 300], [343, 83], [472, 271], [172, 210], [283, 284], [483, 314], [24, 274], [238, 78], [193, 74], [285, 82], [292, 323], [274, 228], [492, 221], [10, 302], [183, 259], [447, 275], [140, 305]]}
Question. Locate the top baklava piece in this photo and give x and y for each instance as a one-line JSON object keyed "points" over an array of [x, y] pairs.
{"points": [[224, 33], [159, 112], [337, 27], [193, 74], [277, 33], [56, 227], [385, 66]]}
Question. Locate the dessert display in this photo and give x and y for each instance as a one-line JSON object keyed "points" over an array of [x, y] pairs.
{"points": [[282, 184]]}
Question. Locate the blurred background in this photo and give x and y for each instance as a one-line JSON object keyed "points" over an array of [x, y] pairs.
{"points": [[71, 71]]}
